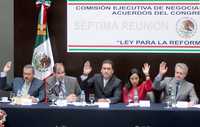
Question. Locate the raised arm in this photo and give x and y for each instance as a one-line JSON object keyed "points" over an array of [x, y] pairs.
{"points": [[7, 67], [157, 83], [87, 69], [145, 69]]}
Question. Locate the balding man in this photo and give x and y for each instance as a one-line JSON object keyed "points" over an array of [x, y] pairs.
{"points": [[62, 85], [177, 85]]}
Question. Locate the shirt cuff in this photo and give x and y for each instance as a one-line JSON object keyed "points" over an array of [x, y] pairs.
{"points": [[158, 77], [37, 99], [84, 77], [109, 101], [3, 74]]}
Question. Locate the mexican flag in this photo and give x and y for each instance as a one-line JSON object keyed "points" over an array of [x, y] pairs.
{"points": [[42, 59]]}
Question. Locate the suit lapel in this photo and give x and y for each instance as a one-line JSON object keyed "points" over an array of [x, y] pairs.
{"points": [[67, 86], [20, 85], [51, 83], [30, 91], [109, 84], [101, 82]]}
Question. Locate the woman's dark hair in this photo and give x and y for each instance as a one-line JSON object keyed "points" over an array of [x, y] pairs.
{"points": [[133, 71]]}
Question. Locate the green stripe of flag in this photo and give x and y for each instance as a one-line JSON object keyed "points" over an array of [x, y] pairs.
{"points": [[41, 38]]}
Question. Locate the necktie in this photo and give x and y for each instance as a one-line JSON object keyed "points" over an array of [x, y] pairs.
{"points": [[177, 87], [58, 88], [25, 89]]}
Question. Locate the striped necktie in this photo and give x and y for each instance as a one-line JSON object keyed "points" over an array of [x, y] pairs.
{"points": [[57, 88]]}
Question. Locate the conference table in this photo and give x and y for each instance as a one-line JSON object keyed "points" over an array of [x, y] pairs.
{"points": [[117, 115]]}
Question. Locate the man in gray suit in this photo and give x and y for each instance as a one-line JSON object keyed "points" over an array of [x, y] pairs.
{"points": [[61, 85], [177, 85], [107, 87], [27, 86]]}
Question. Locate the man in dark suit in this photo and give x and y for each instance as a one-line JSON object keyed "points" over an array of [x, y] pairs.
{"points": [[27, 86], [62, 85], [107, 87], [177, 85], [2, 80]]}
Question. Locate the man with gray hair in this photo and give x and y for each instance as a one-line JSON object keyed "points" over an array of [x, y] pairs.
{"points": [[177, 85], [26, 85]]}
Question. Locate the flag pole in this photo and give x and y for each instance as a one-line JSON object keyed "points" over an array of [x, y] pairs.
{"points": [[42, 59]]}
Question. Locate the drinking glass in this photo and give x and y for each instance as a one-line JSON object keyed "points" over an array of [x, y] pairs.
{"points": [[53, 100], [169, 104], [129, 98], [12, 95], [92, 98]]}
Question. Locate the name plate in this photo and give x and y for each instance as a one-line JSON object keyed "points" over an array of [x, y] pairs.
{"points": [[103, 105], [143, 103]]}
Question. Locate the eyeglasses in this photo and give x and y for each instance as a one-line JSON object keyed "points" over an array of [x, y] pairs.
{"points": [[60, 72]]}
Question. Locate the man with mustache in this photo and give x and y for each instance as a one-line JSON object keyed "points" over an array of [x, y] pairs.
{"points": [[27, 85]]}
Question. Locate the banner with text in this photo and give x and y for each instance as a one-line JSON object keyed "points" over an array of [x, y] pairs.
{"points": [[153, 26]]}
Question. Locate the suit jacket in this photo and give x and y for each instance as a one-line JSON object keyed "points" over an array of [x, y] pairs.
{"points": [[2, 82], [185, 92], [87, 90], [111, 91], [71, 86], [36, 89]]}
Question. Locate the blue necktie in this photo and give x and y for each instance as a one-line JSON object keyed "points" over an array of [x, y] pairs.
{"points": [[177, 87]]}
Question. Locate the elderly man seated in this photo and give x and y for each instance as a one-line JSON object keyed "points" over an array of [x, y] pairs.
{"points": [[177, 85]]}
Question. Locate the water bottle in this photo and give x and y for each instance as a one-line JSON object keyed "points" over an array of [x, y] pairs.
{"points": [[60, 96], [136, 99], [82, 97], [173, 100], [170, 92]]}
